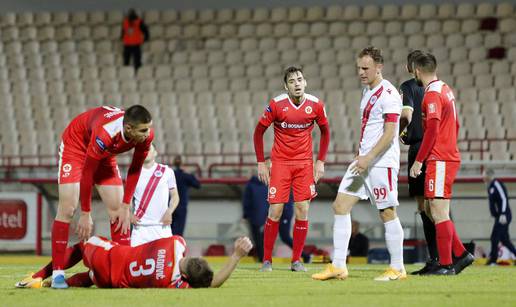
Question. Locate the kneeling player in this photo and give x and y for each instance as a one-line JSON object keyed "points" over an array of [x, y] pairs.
{"points": [[157, 264]]}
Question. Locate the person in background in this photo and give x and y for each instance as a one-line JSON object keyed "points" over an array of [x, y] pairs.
{"points": [[134, 34], [501, 212], [359, 243], [184, 182]]}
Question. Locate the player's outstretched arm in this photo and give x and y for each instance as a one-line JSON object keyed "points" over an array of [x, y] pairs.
{"points": [[242, 246]]}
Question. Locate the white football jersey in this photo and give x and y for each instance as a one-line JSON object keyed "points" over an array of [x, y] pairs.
{"points": [[152, 192], [376, 102]]}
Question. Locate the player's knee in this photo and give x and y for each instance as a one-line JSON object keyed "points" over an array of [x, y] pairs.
{"points": [[275, 212], [65, 212], [388, 214], [340, 208], [301, 213]]}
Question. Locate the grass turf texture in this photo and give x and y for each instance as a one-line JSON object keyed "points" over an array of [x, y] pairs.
{"points": [[476, 286]]}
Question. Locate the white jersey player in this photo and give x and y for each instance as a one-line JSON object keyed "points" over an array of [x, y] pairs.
{"points": [[155, 199], [373, 174]]}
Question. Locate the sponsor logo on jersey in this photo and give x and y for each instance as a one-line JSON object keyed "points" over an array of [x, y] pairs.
{"points": [[308, 110], [101, 144], [285, 109], [431, 108], [286, 125], [67, 168]]}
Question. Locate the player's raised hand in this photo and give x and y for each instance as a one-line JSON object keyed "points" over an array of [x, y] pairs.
{"points": [[84, 226], [318, 170], [123, 218], [415, 170], [263, 173], [242, 246]]}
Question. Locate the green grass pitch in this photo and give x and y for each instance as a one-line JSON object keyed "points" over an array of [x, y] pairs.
{"points": [[476, 286]]}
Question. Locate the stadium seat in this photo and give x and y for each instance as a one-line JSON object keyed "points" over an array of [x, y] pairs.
{"points": [[465, 10], [427, 11], [334, 12], [409, 11], [351, 12], [370, 12], [504, 9]]}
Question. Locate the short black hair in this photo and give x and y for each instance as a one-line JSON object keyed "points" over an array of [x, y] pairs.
{"points": [[373, 52], [291, 70], [198, 273], [410, 59], [425, 62], [136, 115]]}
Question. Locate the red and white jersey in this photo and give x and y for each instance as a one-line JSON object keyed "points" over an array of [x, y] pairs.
{"points": [[152, 192], [439, 103], [293, 126], [99, 133], [376, 103], [150, 265]]}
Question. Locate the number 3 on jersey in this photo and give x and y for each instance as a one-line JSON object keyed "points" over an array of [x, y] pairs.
{"points": [[139, 270]]}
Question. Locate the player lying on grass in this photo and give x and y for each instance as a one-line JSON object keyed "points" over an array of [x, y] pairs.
{"points": [[157, 264]]}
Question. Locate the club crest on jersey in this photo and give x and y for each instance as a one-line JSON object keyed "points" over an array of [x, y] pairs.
{"points": [[158, 173], [431, 108], [101, 144], [308, 110], [374, 99], [272, 190], [67, 168]]}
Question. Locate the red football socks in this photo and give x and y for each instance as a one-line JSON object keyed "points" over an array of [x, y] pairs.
{"points": [[60, 232], [118, 237], [270, 233], [457, 246], [444, 236], [72, 256], [299, 237]]}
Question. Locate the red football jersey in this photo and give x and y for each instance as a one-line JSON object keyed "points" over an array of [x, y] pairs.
{"points": [[293, 126], [99, 133], [439, 103], [151, 265]]}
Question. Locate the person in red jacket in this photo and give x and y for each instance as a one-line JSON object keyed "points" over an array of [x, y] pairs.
{"points": [[134, 34], [86, 158]]}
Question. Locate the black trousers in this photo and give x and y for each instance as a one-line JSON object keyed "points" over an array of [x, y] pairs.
{"points": [[500, 233], [134, 52]]}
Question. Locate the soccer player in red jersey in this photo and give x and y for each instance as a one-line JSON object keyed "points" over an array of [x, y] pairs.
{"points": [[87, 157], [293, 115], [156, 264], [441, 155]]}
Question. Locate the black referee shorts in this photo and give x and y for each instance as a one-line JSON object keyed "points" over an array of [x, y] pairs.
{"points": [[416, 185]]}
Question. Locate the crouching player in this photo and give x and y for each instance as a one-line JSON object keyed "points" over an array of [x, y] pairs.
{"points": [[157, 264]]}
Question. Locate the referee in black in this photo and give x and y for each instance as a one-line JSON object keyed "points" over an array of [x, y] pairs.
{"points": [[501, 212], [413, 136]]}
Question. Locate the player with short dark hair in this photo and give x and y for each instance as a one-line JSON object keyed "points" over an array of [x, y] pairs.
{"points": [[293, 115], [156, 264], [410, 119], [87, 157], [373, 174], [441, 155]]}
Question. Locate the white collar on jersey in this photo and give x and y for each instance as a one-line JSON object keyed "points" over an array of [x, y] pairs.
{"points": [[294, 105]]}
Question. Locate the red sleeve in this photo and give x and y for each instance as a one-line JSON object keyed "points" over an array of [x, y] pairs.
{"points": [[325, 142], [391, 117], [432, 106], [321, 119], [259, 131], [133, 174], [268, 115], [86, 185], [100, 141], [429, 138]]}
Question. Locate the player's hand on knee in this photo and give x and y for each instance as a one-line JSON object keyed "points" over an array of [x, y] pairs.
{"points": [[84, 226], [123, 217], [319, 170], [263, 172], [242, 246]]}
